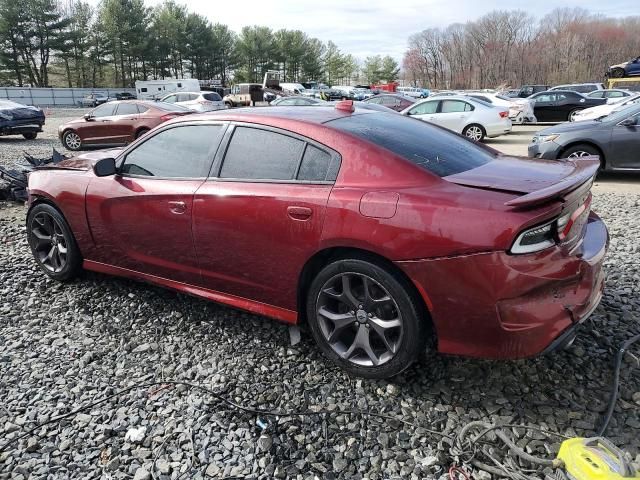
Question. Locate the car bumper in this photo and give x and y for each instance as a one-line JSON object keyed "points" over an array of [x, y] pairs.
{"points": [[545, 150], [502, 306], [501, 128]]}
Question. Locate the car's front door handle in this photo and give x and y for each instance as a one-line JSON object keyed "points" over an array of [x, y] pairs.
{"points": [[177, 207], [299, 213]]}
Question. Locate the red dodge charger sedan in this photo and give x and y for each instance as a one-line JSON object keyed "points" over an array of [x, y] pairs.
{"points": [[384, 234]]}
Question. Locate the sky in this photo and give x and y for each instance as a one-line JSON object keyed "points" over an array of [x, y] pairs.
{"points": [[373, 27]]}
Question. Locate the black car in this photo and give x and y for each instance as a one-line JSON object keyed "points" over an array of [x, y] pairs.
{"points": [[18, 119], [561, 105], [125, 96], [614, 138]]}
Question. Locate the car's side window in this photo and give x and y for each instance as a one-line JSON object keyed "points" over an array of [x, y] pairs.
{"points": [[180, 152], [425, 108], [318, 165], [127, 109], [544, 98], [105, 110], [614, 94], [256, 154], [142, 109], [598, 94], [376, 100], [454, 106], [170, 99]]}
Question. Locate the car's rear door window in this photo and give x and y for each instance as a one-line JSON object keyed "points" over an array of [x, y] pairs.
{"points": [[127, 109], [256, 154], [435, 149], [318, 165], [212, 97], [179, 152], [455, 106]]}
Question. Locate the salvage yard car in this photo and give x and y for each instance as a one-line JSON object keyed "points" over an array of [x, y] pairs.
{"points": [[385, 245], [561, 105], [614, 138], [606, 109], [18, 119], [626, 69], [116, 123], [471, 117]]}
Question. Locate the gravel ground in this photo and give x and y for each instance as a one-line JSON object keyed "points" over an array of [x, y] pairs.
{"points": [[63, 346]]}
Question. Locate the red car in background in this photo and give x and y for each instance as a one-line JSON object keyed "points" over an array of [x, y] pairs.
{"points": [[385, 234], [117, 123]]}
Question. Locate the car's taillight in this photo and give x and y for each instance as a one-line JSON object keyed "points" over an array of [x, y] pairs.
{"points": [[168, 116], [504, 114], [566, 221]]}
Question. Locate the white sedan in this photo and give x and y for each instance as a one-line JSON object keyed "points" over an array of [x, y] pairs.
{"points": [[196, 101], [604, 110], [472, 118]]}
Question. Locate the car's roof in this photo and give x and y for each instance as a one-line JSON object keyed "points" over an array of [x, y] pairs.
{"points": [[312, 114]]}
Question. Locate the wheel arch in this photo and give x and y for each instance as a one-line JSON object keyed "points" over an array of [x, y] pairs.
{"points": [[324, 257], [603, 160]]}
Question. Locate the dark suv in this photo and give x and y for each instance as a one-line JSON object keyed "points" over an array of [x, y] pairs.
{"points": [[528, 90]]}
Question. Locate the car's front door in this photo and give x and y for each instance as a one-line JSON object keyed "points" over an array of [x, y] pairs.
{"points": [[141, 218], [544, 107], [260, 217], [625, 145], [634, 67], [95, 129]]}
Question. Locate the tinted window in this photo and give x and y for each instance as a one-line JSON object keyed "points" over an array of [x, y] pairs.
{"points": [[434, 149], [127, 109], [424, 108], [143, 89], [179, 152], [453, 106], [544, 98], [212, 97], [105, 110], [261, 155], [317, 165]]}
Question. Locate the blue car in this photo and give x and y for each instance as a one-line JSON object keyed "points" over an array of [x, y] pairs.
{"points": [[626, 69], [18, 119]]}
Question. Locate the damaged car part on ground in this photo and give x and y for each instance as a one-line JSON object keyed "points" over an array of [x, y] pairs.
{"points": [[338, 224]]}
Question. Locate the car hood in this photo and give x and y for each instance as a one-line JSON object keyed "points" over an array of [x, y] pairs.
{"points": [[570, 127], [85, 161], [620, 65], [535, 180]]}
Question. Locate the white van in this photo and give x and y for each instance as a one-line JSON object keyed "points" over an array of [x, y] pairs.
{"points": [[295, 88], [154, 89]]}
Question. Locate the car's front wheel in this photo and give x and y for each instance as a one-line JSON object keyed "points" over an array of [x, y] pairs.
{"points": [[71, 140], [365, 318], [573, 114], [579, 151], [52, 243], [142, 132], [475, 132]]}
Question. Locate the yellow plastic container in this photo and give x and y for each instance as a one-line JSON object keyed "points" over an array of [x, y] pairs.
{"points": [[595, 459]]}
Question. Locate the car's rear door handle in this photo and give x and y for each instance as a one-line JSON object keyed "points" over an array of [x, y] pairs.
{"points": [[299, 213], [178, 207]]}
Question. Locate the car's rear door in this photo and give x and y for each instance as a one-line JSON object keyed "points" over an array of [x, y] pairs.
{"points": [[141, 218], [454, 114], [259, 218], [123, 123]]}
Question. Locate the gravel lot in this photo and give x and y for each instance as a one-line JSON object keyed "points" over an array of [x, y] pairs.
{"points": [[65, 346]]}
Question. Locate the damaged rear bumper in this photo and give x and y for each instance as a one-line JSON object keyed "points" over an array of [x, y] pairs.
{"points": [[497, 305]]}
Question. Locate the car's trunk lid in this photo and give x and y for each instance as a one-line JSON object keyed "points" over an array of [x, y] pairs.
{"points": [[533, 181]]}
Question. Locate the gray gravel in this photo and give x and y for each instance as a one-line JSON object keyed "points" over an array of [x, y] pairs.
{"points": [[64, 346]]}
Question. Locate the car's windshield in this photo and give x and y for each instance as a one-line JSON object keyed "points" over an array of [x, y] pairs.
{"points": [[504, 97], [437, 150], [170, 107], [619, 115]]}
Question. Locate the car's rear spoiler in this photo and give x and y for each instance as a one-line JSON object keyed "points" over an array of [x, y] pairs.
{"points": [[586, 168]]}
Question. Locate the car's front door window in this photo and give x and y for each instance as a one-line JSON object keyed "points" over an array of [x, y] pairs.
{"points": [[106, 110]]}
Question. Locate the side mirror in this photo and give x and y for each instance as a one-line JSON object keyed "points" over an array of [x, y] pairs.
{"points": [[105, 167], [629, 122], [88, 117]]}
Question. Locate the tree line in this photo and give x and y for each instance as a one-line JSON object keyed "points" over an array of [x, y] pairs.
{"points": [[70, 43], [512, 48]]}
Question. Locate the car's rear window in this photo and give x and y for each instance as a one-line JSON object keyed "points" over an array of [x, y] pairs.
{"points": [[432, 148], [212, 97], [169, 107]]}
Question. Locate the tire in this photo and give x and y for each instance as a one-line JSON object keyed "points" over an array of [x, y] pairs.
{"points": [[228, 104], [572, 114], [618, 73], [71, 141], [52, 243], [399, 318], [474, 132], [30, 135], [581, 150], [142, 132]]}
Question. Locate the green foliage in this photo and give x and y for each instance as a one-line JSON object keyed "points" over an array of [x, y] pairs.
{"points": [[380, 69]]}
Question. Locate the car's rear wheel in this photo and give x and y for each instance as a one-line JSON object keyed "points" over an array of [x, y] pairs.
{"points": [[30, 135], [52, 243], [71, 140], [572, 114], [475, 132], [580, 151], [142, 132], [617, 72], [365, 319]]}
